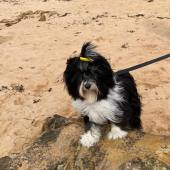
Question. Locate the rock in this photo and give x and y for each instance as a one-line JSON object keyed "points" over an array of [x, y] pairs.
{"points": [[36, 100], [58, 148], [18, 87], [54, 122], [164, 154], [5, 163], [139, 164], [126, 45], [42, 17], [136, 15]]}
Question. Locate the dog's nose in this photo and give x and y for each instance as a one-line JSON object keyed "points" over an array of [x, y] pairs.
{"points": [[87, 84]]}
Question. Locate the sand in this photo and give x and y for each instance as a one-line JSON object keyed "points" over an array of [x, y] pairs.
{"points": [[37, 37]]}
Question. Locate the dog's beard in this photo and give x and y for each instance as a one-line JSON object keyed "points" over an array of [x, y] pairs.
{"points": [[90, 95]]}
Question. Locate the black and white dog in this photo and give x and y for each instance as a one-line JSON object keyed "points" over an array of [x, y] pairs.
{"points": [[101, 96]]}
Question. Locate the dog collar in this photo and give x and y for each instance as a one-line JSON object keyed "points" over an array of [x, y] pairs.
{"points": [[86, 59]]}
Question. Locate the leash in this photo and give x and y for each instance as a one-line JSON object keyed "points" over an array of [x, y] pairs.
{"points": [[132, 68], [135, 67]]}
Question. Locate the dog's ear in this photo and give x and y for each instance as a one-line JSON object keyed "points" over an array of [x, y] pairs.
{"points": [[70, 65], [71, 60], [69, 72]]}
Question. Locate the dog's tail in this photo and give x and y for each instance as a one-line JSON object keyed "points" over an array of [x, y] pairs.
{"points": [[87, 50]]}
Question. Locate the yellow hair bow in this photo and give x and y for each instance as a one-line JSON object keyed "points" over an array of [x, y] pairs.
{"points": [[86, 59]]}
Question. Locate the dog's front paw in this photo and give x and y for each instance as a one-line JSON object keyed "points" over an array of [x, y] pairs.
{"points": [[116, 133], [88, 139]]}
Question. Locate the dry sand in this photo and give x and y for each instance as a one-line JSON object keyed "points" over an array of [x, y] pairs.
{"points": [[33, 54]]}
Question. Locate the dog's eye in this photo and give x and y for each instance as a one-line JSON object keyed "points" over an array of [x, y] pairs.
{"points": [[86, 74]]}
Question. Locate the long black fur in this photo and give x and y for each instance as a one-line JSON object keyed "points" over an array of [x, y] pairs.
{"points": [[76, 71]]}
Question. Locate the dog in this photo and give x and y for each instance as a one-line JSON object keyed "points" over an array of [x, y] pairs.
{"points": [[101, 96]]}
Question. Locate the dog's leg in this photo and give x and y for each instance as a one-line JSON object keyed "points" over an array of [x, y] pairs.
{"points": [[116, 132], [87, 123], [92, 135]]}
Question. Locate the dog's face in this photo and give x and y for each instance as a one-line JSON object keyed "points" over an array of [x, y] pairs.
{"points": [[88, 80]]}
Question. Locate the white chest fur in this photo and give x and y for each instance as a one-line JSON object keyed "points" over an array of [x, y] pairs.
{"points": [[103, 110]]}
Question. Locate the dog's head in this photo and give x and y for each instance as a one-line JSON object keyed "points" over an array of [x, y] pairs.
{"points": [[88, 76]]}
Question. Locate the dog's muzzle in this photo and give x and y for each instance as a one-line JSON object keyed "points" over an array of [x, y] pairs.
{"points": [[87, 84], [88, 90]]}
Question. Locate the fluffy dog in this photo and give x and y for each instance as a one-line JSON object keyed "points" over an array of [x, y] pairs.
{"points": [[101, 96]]}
